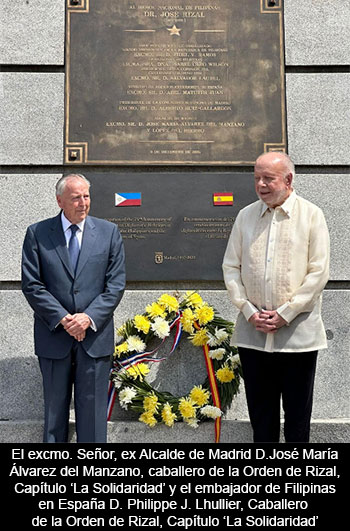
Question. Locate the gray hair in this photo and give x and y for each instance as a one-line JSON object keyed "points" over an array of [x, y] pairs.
{"points": [[61, 183], [289, 163]]}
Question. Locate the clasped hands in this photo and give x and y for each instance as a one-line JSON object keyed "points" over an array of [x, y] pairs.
{"points": [[267, 321], [76, 325]]}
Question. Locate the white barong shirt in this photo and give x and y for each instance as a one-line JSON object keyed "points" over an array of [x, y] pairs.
{"points": [[278, 259]]}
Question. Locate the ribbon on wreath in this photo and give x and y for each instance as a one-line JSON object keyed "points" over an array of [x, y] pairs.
{"points": [[213, 387], [137, 358], [214, 390]]}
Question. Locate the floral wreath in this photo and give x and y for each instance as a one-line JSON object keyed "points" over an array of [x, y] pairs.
{"points": [[206, 329]]}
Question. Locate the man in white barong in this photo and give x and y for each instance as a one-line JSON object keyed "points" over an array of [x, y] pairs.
{"points": [[275, 268]]}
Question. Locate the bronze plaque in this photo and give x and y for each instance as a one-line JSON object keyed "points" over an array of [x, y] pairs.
{"points": [[175, 226], [174, 81]]}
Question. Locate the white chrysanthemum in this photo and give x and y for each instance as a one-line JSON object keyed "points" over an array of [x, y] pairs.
{"points": [[212, 341], [160, 327], [219, 336], [135, 343], [217, 354], [118, 382], [193, 422], [211, 411], [234, 360], [126, 396]]}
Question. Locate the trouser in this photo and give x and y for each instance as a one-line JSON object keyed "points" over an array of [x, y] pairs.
{"points": [[89, 376], [267, 378]]}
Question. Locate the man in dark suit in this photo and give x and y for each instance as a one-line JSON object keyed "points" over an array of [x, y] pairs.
{"points": [[73, 277]]}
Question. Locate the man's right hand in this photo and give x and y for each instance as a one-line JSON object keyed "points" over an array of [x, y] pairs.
{"points": [[262, 323], [65, 322]]}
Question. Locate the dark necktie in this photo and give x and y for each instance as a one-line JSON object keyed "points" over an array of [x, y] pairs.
{"points": [[73, 247]]}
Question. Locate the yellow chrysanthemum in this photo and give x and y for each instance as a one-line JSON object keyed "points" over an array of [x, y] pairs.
{"points": [[155, 310], [187, 408], [168, 416], [142, 323], [138, 371], [199, 396], [194, 299], [121, 349], [187, 326], [121, 331], [225, 375], [169, 302], [148, 418], [204, 314], [187, 320], [200, 338], [150, 403]]}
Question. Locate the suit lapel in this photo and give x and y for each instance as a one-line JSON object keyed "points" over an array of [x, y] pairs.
{"points": [[59, 241], [87, 244]]}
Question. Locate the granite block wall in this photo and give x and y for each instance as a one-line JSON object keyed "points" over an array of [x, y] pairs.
{"points": [[32, 37]]}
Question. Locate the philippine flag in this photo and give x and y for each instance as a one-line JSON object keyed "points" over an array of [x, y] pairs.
{"points": [[128, 199]]}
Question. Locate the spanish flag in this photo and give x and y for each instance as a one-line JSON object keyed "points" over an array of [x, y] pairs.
{"points": [[223, 199]]}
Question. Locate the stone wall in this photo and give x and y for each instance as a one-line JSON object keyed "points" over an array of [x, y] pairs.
{"points": [[31, 157]]}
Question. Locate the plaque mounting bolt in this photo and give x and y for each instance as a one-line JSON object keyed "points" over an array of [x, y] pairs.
{"points": [[75, 2], [271, 3]]}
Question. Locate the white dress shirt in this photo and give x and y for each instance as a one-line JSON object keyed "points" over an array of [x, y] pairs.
{"points": [[278, 259], [66, 224]]}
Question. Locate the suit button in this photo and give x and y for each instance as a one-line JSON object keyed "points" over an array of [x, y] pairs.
{"points": [[76, 291]]}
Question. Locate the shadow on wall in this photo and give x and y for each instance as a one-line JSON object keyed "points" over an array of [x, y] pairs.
{"points": [[21, 389]]}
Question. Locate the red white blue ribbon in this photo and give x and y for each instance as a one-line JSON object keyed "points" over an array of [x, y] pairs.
{"points": [[111, 399]]}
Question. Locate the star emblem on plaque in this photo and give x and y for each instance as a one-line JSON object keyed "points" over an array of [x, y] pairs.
{"points": [[174, 30]]}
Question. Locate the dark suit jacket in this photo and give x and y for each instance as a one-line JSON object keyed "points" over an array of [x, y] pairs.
{"points": [[53, 291]]}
